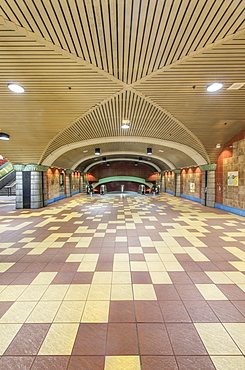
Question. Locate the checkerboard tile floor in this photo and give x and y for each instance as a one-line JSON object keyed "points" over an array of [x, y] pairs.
{"points": [[125, 283]]}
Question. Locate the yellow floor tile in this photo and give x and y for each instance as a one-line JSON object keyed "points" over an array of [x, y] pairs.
{"points": [[7, 333], [216, 339], [121, 277], [211, 292], [173, 266], [218, 277], [44, 312], [121, 266], [59, 340], [55, 292], [18, 312], [33, 293], [122, 363], [167, 257], [135, 250], [87, 266], [90, 257], [77, 292], [152, 257], [156, 266], [237, 332], [99, 292], [121, 238], [96, 312], [4, 266], [236, 276], [70, 311], [75, 258], [124, 257], [44, 278], [228, 362], [122, 292], [144, 292], [2, 287], [138, 266], [161, 277], [241, 286], [12, 292], [239, 265], [102, 277]]}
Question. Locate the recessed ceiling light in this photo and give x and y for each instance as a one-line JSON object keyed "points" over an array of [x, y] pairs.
{"points": [[149, 151], [160, 150], [214, 87], [236, 86], [125, 126], [16, 88], [4, 136], [218, 145], [85, 151], [97, 151]]}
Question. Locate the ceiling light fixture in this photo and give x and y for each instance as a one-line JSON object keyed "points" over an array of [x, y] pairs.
{"points": [[16, 88], [97, 151], [218, 145], [214, 87], [149, 151], [236, 86], [4, 136], [125, 124]]}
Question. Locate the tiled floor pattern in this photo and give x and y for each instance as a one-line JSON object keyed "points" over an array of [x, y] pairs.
{"points": [[125, 283]]}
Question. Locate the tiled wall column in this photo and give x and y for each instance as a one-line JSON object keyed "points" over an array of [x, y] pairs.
{"points": [[208, 184], [31, 190], [177, 183], [82, 184], [68, 183], [162, 183]]}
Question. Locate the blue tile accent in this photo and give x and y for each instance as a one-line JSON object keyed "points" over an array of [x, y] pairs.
{"points": [[237, 211], [55, 199], [75, 192], [4, 165], [170, 192], [194, 199]]}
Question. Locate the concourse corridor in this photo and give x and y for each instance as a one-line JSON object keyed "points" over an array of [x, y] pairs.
{"points": [[122, 283]]}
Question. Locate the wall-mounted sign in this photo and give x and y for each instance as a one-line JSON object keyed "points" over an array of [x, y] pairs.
{"points": [[233, 178], [192, 187]]}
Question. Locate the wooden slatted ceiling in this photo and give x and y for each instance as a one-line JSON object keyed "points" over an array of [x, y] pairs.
{"points": [[34, 118], [128, 39], [204, 113], [175, 156], [146, 120]]}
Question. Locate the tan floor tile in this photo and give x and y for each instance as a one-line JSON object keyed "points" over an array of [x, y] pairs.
{"points": [[122, 363], [7, 333], [12, 292], [44, 278], [156, 266], [121, 277], [101, 277], [173, 266], [90, 257], [70, 311], [228, 362], [144, 292], [138, 266], [122, 292], [216, 339], [236, 276], [121, 239], [135, 250], [2, 287], [239, 265], [123, 257], [237, 332], [218, 277], [241, 286], [77, 292], [44, 312], [75, 258], [88, 266], [18, 312], [152, 257], [4, 266], [59, 340], [211, 292], [55, 292], [161, 277], [167, 257], [121, 266], [33, 293], [99, 292], [96, 312]]}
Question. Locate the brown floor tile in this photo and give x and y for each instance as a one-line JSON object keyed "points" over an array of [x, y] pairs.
{"points": [[90, 340], [25, 278], [136, 257], [6, 278], [18, 267], [225, 266], [189, 266], [16, 362], [180, 277], [166, 292], [104, 266], [158, 363], [194, 363], [153, 339], [82, 278], [199, 278], [226, 312], [185, 340], [174, 311], [148, 311], [28, 340], [240, 305], [70, 267], [50, 363], [207, 266], [86, 363], [122, 340], [232, 292], [200, 311], [52, 267], [36, 267], [188, 292], [63, 278], [141, 277], [122, 311], [4, 306]]}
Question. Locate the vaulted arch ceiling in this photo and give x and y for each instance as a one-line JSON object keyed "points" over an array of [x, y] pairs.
{"points": [[86, 64]]}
